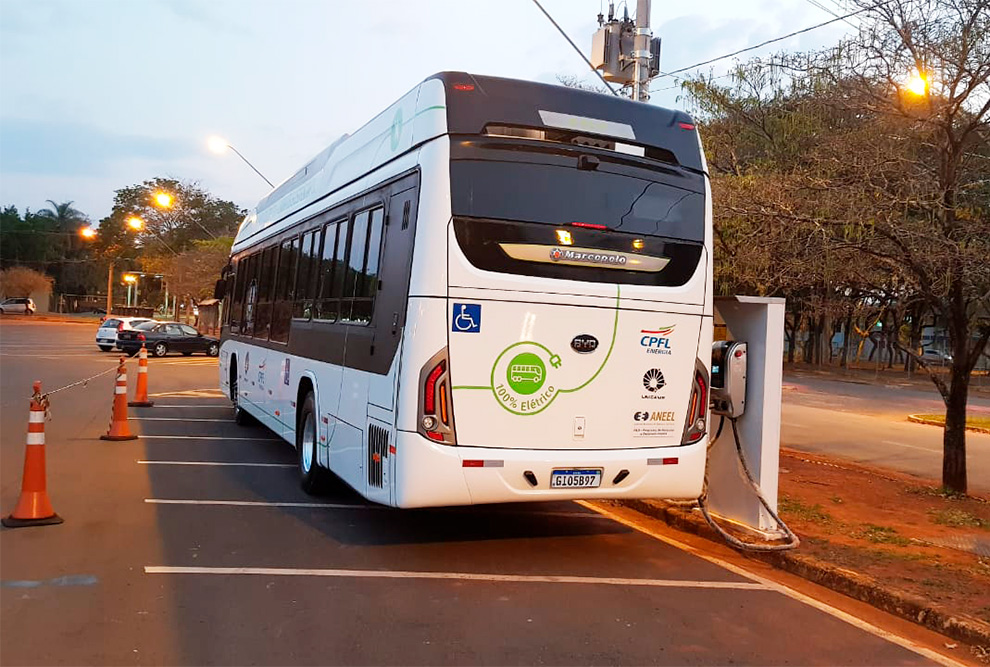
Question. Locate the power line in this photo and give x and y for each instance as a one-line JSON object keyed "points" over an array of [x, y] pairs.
{"points": [[771, 41], [829, 11], [574, 46]]}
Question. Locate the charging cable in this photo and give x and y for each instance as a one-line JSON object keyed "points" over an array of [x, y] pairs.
{"points": [[792, 540]]}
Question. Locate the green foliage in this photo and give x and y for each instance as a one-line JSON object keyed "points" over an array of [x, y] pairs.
{"points": [[881, 535], [193, 214], [959, 519]]}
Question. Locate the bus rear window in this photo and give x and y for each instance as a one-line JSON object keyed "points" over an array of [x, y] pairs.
{"points": [[576, 253], [644, 204]]}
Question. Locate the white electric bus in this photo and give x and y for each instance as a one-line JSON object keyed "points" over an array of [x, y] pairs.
{"points": [[494, 291]]}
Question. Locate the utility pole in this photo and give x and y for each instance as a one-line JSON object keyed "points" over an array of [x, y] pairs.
{"points": [[641, 52]]}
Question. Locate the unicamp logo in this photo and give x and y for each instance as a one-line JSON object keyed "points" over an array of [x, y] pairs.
{"points": [[656, 341], [653, 382]]}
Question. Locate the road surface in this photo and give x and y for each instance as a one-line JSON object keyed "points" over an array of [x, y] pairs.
{"points": [[868, 424], [195, 545]]}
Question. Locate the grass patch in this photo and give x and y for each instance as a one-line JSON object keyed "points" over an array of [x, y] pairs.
{"points": [[937, 492], [957, 518], [798, 510], [971, 421], [881, 535]]}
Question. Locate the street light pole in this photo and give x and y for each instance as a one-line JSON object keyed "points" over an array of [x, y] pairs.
{"points": [[110, 288], [218, 145]]}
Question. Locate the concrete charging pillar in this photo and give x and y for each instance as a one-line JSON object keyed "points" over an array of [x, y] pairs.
{"points": [[759, 322]]}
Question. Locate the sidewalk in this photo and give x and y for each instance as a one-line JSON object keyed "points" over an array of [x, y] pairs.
{"points": [[75, 318], [866, 374], [889, 539]]}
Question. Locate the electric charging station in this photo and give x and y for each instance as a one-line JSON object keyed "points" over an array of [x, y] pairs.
{"points": [[747, 385]]}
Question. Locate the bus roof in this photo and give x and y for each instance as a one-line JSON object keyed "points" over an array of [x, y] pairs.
{"points": [[474, 101], [463, 103]]}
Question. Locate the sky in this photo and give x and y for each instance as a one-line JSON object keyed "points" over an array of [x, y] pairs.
{"points": [[98, 95]]}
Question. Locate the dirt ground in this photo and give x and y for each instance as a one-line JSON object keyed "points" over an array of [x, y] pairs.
{"points": [[892, 527]]}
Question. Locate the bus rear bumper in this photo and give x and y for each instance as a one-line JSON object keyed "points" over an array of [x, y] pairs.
{"points": [[429, 475]]}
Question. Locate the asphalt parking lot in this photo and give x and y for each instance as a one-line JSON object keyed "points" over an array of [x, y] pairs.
{"points": [[194, 545]]}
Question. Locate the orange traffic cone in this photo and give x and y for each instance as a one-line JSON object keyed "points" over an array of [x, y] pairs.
{"points": [[118, 421], [141, 390], [33, 507]]}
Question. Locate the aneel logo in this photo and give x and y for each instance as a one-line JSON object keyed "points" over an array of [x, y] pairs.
{"points": [[645, 416], [654, 424], [656, 341]]}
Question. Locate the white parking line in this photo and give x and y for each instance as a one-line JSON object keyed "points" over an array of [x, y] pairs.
{"points": [[780, 588], [217, 463], [258, 503], [179, 419], [457, 576], [225, 406], [355, 506], [206, 437]]}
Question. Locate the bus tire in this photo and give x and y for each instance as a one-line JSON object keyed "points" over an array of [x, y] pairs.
{"points": [[311, 476]]}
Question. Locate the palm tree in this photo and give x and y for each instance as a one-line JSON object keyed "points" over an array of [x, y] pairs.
{"points": [[66, 222]]}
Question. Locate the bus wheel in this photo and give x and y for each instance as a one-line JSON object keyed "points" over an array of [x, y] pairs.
{"points": [[311, 476]]}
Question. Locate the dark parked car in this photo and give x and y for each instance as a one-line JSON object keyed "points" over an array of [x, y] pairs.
{"points": [[164, 337]]}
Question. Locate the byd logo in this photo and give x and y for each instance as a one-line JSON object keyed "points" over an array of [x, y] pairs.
{"points": [[656, 341]]}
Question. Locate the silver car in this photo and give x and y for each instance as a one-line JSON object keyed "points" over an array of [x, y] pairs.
{"points": [[19, 304], [106, 335]]}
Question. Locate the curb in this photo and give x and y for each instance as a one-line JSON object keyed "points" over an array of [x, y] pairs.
{"points": [[918, 419], [858, 586], [50, 318]]}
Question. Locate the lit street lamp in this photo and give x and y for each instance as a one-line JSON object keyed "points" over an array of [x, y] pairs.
{"points": [[219, 145], [917, 84], [87, 233], [165, 200], [131, 279]]}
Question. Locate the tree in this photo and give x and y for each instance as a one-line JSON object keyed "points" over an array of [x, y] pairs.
{"points": [[22, 281], [23, 240], [175, 214], [193, 273], [872, 198]]}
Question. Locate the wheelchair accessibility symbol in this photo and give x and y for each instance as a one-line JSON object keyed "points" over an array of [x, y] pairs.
{"points": [[466, 318]]}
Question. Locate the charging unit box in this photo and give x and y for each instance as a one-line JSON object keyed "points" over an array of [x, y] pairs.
{"points": [[759, 323], [729, 378]]}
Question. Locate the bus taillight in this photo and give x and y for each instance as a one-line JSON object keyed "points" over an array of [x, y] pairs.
{"points": [[435, 416], [697, 414]]}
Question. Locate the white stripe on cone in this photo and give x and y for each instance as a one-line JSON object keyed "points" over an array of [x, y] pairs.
{"points": [[36, 417], [35, 438]]}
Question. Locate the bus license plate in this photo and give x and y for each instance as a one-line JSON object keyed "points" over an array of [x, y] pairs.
{"points": [[576, 479]]}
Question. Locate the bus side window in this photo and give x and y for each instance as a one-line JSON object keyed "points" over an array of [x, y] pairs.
{"points": [[266, 277], [354, 266], [284, 290], [333, 274], [250, 294], [236, 296], [325, 305], [308, 268], [365, 284]]}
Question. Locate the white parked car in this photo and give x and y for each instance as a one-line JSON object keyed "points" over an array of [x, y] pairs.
{"points": [[106, 335], [19, 304]]}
